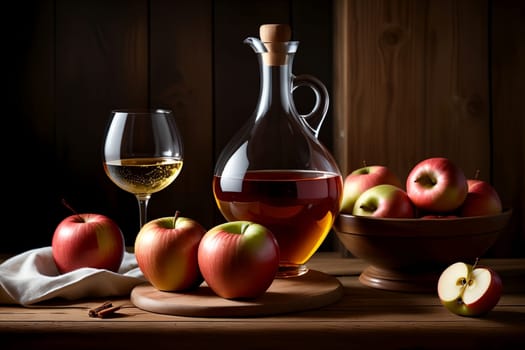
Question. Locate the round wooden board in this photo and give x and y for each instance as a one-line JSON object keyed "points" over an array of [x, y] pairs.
{"points": [[309, 291]]}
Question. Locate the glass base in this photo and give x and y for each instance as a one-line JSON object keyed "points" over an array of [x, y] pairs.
{"points": [[287, 271]]}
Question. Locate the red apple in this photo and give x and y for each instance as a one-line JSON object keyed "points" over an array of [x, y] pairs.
{"points": [[482, 199], [166, 251], [437, 185], [87, 240], [360, 180], [239, 259], [469, 290], [384, 201]]}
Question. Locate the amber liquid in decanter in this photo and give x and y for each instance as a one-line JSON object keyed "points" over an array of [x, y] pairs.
{"points": [[275, 171]]}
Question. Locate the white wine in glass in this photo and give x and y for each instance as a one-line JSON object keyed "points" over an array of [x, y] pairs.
{"points": [[142, 153]]}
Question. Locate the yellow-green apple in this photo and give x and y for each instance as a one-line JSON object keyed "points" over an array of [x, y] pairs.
{"points": [[384, 201], [360, 180], [437, 185], [482, 199], [469, 290], [166, 251], [239, 259], [87, 240]]}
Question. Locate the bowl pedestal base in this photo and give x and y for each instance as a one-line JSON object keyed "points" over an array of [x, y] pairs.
{"points": [[400, 281]]}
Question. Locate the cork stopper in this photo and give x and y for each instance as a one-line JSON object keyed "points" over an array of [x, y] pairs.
{"points": [[271, 33], [275, 37]]}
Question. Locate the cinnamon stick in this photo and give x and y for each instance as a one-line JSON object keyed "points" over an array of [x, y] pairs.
{"points": [[94, 312]]}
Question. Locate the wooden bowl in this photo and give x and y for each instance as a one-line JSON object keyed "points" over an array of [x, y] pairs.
{"points": [[410, 254]]}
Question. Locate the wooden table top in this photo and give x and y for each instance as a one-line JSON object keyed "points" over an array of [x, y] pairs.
{"points": [[364, 317]]}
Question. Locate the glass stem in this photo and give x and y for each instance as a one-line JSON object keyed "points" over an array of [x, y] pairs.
{"points": [[143, 208]]}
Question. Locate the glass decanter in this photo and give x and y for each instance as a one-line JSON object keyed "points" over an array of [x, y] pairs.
{"points": [[275, 171]]}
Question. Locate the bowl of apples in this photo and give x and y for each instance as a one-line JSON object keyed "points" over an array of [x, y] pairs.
{"points": [[409, 234]]}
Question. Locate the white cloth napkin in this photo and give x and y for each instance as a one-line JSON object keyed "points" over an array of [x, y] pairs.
{"points": [[32, 277]]}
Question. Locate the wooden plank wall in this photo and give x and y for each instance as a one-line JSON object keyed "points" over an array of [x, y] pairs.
{"points": [[415, 79], [508, 117], [408, 79], [69, 62]]}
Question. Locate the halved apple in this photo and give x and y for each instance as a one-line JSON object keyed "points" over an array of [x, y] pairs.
{"points": [[469, 290]]}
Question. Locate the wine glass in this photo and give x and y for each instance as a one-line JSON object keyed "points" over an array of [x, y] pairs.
{"points": [[142, 153]]}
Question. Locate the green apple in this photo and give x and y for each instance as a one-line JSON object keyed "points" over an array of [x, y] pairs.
{"points": [[360, 180], [384, 201]]}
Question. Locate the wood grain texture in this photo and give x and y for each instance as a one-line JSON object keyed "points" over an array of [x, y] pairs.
{"points": [[412, 80], [181, 78], [101, 64], [412, 88], [312, 27], [508, 85], [311, 291], [74, 61], [365, 318]]}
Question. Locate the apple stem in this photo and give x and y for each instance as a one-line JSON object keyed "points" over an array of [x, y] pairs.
{"points": [[476, 175], [368, 208], [66, 204], [475, 264], [364, 163], [177, 213], [426, 181]]}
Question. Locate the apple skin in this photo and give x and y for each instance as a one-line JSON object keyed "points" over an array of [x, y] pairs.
{"points": [[166, 252], [360, 180], [437, 185], [482, 199], [384, 201], [87, 240], [239, 259], [469, 290]]}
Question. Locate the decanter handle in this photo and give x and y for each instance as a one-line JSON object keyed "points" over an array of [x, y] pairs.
{"points": [[314, 119]]}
